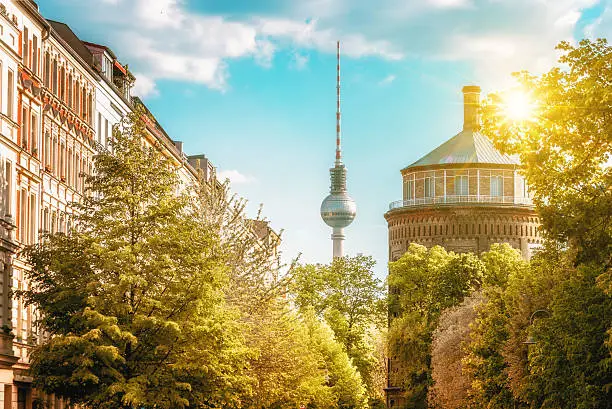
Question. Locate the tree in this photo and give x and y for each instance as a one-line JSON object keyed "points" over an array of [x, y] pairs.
{"points": [[450, 383], [566, 149], [423, 283], [569, 366], [298, 362], [133, 298], [254, 268], [486, 357], [341, 376], [350, 299]]}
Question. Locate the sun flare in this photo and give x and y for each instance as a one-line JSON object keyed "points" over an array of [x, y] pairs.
{"points": [[518, 106]]}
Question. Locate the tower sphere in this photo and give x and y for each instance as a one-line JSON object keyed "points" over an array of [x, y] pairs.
{"points": [[338, 210]]}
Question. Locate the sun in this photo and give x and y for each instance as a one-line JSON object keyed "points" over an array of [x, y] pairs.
{"points": [[518, 106]]}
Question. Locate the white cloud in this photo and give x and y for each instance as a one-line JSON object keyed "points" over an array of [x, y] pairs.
{"points": [[144, 86], [235, 177], [164, 39], [602, 26], [450, 3], [387, 80]]}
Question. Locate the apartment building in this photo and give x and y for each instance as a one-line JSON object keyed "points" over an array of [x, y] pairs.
{"points": [[60, 98]]}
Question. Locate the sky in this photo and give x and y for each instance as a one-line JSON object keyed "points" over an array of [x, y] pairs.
{"points": [[251, 84]]}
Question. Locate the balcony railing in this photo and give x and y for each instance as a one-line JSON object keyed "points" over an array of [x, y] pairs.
{"points": [[461, 199]]}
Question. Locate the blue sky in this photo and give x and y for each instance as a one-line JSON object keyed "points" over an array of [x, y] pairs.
{"points": [[251, 84]]}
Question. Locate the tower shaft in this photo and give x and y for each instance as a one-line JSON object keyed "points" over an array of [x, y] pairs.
{"points": [[338, 242]]}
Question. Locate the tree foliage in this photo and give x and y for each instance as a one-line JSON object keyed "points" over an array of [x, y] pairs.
{"points": [[566, 149], [424, 283], [133, 299], [450, 383], [347, 296]]}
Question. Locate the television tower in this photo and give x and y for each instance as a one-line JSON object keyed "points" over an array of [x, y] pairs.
{"points": [[338, 209]]}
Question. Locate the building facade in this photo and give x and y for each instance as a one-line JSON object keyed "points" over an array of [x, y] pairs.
{"points": [[464, 196], [60, 98]]}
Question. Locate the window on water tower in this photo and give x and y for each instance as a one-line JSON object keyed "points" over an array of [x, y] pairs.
{"points": [[461, 185], [430, 187], [497, 186], [409, 190]]}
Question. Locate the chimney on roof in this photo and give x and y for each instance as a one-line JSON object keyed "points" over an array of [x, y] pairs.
{"points": [[471, 107]]}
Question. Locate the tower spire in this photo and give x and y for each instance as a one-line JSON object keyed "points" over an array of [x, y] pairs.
{"points": [[338, 210], [338, 132]]}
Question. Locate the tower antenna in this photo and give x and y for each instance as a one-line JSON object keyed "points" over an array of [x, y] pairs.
{"points": [[338, 132]]}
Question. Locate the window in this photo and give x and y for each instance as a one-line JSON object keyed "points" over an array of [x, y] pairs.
{"points": [[9, 94], [83, 103], [34, 134], [23, 210], [45, 221], [409, 190], [99, 128], [8, 183], [107, 132], [32, 220], [77, 99], [47, 149], [35, 55], [53, 223], [90, 109], [26, 50], [430, 187], [62, 163], [70, 90], [461, 185], [78, 172], [497, 186], [69, 164], [21, 398], [47, 73], [54, 156], [54, 77], [62, 90], [24, 127]]}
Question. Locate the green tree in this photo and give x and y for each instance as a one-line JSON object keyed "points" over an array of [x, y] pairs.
{"points": [[298, 362], [132, 299], [423, 283], [351, 300], [485, 361], [569, 366], [566, 148]]}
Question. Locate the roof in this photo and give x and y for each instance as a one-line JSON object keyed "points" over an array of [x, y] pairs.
{"points": [[73, 41], [100, 46], [466, 147]]}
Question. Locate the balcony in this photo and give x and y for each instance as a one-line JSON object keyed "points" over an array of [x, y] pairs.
{"points": [[463, 199]]}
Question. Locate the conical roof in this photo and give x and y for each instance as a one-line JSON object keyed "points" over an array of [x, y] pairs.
{"points": [[466, 147]]}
